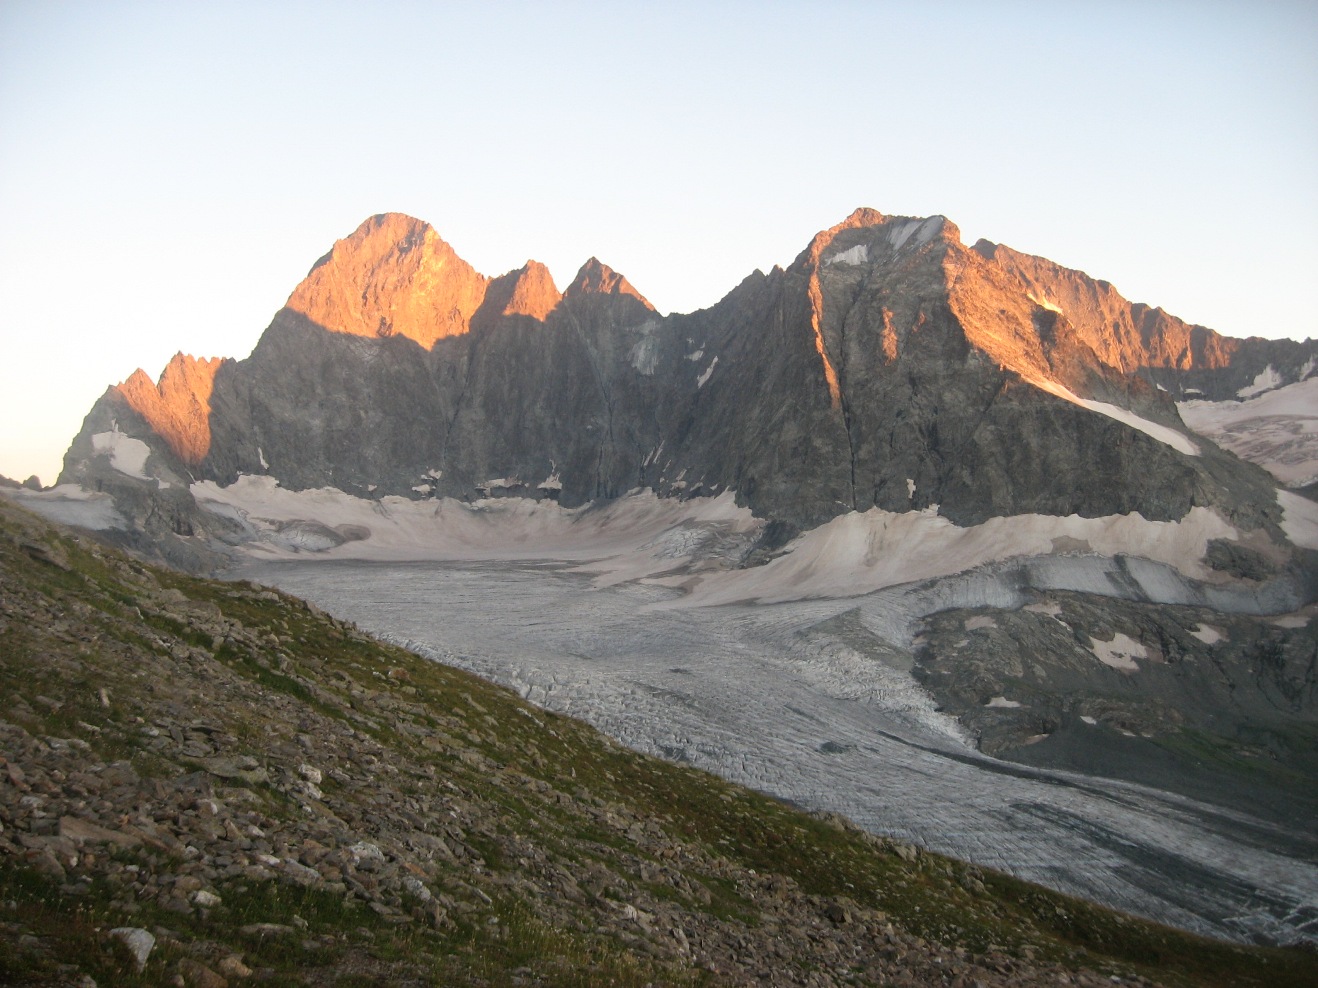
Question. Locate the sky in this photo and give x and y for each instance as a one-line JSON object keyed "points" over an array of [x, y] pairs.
{"points": [[170, 171]]}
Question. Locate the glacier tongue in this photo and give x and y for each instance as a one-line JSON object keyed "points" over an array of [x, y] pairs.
{"points": [[786, 699]]}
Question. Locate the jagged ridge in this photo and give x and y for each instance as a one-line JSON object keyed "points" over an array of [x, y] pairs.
{"points": [[888, 366]]}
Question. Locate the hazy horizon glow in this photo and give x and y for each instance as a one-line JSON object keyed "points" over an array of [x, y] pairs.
{"points": [[170, 171]]}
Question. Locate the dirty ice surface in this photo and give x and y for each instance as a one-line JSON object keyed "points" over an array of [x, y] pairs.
{"points": [[642, 536], [828, 716], [70, 504], [1278, 430]]}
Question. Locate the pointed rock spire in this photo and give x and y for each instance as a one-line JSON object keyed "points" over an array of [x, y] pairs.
{"points": [[597, 278], [392, 276], [533, 292], [177, 407]]}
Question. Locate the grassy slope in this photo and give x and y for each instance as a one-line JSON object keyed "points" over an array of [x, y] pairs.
{"points": [[89, 621]]}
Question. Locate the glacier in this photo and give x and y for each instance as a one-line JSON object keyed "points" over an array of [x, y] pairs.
{"points": [[630, 616]]}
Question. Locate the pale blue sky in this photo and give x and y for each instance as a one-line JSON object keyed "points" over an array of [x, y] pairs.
{"points": [[169, 172]]}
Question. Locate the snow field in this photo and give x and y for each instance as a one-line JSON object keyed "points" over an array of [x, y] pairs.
{"points": [[641, 536], [127, 455], [1163, 433], [1277, 430], [70, 504]]}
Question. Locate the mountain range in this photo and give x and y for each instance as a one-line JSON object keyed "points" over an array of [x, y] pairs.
{"points": [[888, 366]]}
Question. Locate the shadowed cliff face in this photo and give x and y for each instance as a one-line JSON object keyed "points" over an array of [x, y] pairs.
{"points": [[887, 366], [528, 391]]}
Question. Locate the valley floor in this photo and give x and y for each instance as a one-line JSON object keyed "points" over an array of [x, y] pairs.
{"points": [[779, 698]]}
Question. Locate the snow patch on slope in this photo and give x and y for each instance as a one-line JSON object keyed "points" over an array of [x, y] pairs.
{"points": [[1120, 653], [1043, 302], [1299, 519], [1267, 379], [860, 254], [644, 355], [921, 231], [704, 377], [127, 455], [1162, 433]]}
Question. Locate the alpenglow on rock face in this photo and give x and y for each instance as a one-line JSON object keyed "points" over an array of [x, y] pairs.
{"points": [[888, 366]]}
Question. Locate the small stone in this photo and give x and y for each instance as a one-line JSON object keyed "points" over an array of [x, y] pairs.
{"points": [[838, 913], [241, 767], [79, 830], [176, 904], [417, 888], [205, 900], [365, 851], [300, 873], [139, 942], [233, 967], [198, 975]]}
